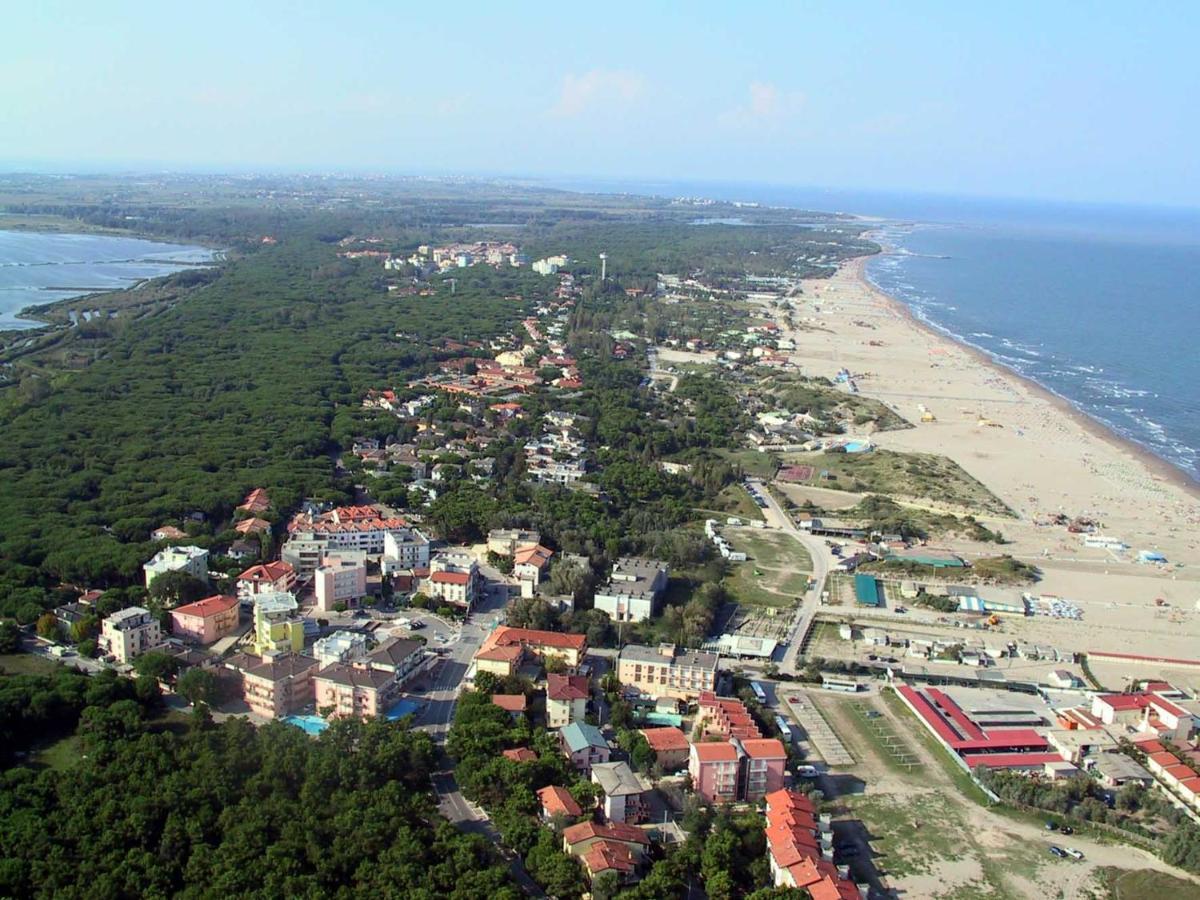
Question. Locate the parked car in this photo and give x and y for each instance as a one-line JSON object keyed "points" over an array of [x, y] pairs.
{"points": [[1058, 851], [1052, 826], [1066, 829], [1075, 854]]}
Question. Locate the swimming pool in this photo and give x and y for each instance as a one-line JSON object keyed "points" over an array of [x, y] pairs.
{"points": [[307, 724], [858, 446], [403, 708]]}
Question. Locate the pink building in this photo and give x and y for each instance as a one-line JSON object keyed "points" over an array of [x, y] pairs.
{"points": [[205, 620], [355, 690], [728, 771], [763, 765], [713, 766]]}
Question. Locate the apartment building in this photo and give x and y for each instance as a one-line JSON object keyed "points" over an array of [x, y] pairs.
{"points": [[633, 590], [188, 559], [340, 579], [275, 686], [278, 627], [666, 671], [127, 634], [266, 578], [404, 548], [206, 620]]}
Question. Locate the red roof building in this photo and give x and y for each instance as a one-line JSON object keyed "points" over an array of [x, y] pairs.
{"points": [[513, 704], [557, 801], [520, 754], [256, 502]]}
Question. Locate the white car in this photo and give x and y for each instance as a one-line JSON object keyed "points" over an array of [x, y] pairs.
{"points": [[1074, 854]]}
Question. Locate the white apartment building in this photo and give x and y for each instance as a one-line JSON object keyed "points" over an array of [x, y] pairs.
{"points": [[192, 560], [404, 548], [128, 634], [633, 590]]}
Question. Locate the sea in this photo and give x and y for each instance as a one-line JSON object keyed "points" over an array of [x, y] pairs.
{"points": [[42, 267], [1098, 304]]}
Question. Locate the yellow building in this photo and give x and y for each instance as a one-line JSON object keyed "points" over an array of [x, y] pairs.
{"points": [[278, 628]]}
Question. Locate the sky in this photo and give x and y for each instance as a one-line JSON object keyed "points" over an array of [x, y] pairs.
{"points": [[1063, 101]]}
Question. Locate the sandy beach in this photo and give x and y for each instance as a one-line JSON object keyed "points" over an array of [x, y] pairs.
{"points": [[1037, 454]]}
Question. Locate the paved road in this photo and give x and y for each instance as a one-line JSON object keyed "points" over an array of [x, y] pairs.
{"points": [[776, 517]]}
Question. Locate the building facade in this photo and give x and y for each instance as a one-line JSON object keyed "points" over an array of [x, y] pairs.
{"points": [[666, 671], [341, 579], [191, 560], [127, 634], [206, 620], [634, 589]]}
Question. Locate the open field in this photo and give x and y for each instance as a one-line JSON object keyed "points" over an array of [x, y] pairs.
{"points": [[753, 463], [734, 501], [1121, 884], [26, 664], [931, 832], [918, 476], [776, 574], [872, 725]]}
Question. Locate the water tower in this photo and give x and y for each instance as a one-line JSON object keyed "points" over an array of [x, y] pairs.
{"points": [[603, 266]]}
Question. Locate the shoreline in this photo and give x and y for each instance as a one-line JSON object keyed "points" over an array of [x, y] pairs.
{"points": [[1160, 469]]}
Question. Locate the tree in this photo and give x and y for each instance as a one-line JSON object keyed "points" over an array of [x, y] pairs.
{"points": [[559, 874], [10, 637], [568, 578], [197, 686], [82, 629], [47, 626], [157, 665], [87, 648], [177, 588]]}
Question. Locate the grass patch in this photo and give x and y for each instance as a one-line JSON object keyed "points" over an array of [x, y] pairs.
{"points": [[776, 574], [1126, 884], [910, 835], [734, 501], [896, 754], [60, 754], [26, 664], [753, 463], [917, 475]]}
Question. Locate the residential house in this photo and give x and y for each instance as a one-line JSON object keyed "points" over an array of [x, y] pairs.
{"points": [[615, 847], [566, 699], [584, 745], [530, 564], [341, 580], [666, 671], [454, 578], [70, 613], [277, 685], [278, 627], [127, 634], [188, 559], [513, 704], [634, 589], [505, 541], [252, 525], [670, 745], [623, 792], [557, 801], [256, 502], [340, 647], [168, 533], [266, 578], [519, 755], [207, 620]]}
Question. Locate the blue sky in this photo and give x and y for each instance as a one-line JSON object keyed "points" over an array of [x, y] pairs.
{"points": [[1072, 101]]}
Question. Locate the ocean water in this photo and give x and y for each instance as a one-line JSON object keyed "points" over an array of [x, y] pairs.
{"points": [[41, 267], [1099, 304], [1107, 317]]}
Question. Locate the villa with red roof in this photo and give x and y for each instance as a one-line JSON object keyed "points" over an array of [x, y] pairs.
{"points": [[670, 745], [256, 502], [615, 847], [514, 642], [265, 579], [566, 699], [253, 525], [530, 564], [557, 801], [205, 620], [520, 755], [513, 704]]}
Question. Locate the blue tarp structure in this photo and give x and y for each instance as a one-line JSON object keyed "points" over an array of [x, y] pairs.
{"points": [[866, 590]]}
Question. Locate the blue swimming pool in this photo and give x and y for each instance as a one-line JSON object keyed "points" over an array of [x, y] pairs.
{"points": [[403, 708], [308, 724]]}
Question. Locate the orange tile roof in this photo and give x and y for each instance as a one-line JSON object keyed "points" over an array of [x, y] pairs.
{"points": [[714, 751], [520, 754], [209, 606], [461, 578], [605, 856], [664, 739], [557, 800], [500, 654], [510, 702], [507, 636], [764, 748], [271, 571], [533, 555], [616, 831], [248, 526], [567, 687]]}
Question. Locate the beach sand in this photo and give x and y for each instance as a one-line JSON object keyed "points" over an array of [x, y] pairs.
{"points": [[1040, 456]]}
